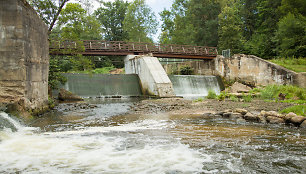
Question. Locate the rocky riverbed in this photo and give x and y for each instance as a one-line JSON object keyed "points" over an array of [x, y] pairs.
{"points": [[256, 110]]}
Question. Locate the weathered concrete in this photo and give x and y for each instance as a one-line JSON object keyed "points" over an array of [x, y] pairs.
{"points": [[245, 68], [153, 78], [24, 55]]}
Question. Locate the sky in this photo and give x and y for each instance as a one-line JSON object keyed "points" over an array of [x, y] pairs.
{"points": [[156, 5]]}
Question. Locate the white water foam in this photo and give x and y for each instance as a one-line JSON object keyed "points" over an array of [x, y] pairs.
{"points": [[99, 150]]}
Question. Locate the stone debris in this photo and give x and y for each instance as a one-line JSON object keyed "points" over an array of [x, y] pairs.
{"points": [[239, 88]]}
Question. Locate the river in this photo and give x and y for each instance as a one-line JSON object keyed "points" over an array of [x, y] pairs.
{"points": [[101, 138]]}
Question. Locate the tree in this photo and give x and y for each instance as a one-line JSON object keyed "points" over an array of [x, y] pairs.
{"points": [[76, 25], [167, 27], [48, 10], [140, 22], [111, 17], [291, 36], [230, 29]]}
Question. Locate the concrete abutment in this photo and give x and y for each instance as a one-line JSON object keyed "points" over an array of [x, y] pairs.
{"points": [[154, 80], [24, 56]]}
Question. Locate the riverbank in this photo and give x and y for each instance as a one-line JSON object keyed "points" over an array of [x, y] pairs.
{"points": [[255, 110]]}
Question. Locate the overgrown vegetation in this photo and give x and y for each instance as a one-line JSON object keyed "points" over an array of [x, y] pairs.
{"points": [[282, 92], [186, 70], [211, 95], [294, 64], [298, 109]]}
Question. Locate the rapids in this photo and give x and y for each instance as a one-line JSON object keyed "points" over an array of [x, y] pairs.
{"points": [[104, 139]]}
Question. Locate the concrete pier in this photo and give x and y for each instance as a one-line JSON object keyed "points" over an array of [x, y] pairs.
{"points": [[153, 78]]}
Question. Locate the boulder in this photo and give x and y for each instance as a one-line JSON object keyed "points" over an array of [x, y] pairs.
{"points": [[273, 113], [227, 114], [262, 119], [275, 120], [239, 88], [235, 116], [65, 95], [297, 120], [241, 111], [289, 116], [250, 117], [303, 125]]}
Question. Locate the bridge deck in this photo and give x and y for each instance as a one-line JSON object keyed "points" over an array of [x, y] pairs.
{"points": [[107, 48]]}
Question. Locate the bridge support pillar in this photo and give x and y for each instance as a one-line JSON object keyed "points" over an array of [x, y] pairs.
{"points": [[153, 78], [24, 56]]}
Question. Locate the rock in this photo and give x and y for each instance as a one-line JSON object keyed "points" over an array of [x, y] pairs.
{"points": [[239, 88], [303, 125], [250, 117], [289, 116], [262, 119], [235, 116], [272, 113], [241, 111], [227, 114], [275, 120], [65, 95], [297, 120], [240, 121]]}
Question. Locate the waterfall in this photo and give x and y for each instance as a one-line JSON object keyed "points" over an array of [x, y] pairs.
{"points": [[95, 85], [195, 85], [7, 122]]}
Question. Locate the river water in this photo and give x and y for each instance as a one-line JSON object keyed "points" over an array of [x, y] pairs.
{"points": [[103, 139]]}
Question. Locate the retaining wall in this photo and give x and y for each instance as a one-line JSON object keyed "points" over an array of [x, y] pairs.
{"points": [[24, 55]]}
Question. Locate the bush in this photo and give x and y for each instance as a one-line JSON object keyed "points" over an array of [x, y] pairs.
{"points": [[104, 70], [211, 95], [186, 70], [272, 92]]}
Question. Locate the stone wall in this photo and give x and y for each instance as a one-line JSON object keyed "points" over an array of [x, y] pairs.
{"points": [[245, 68], [24, 55]]}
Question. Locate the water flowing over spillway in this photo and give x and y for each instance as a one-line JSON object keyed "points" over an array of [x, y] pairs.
{"points": [[96, 85], [195, 85], [105, 140]]}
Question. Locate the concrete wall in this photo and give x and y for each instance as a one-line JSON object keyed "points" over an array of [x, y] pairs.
{"points": [[246, 68], [24, 55], [153, 78]]}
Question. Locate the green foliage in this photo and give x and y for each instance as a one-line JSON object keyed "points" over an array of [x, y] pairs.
{"points": [[140, 22], [104, 70], [234, 98], [55, 76], [111, 16], [247, 98], [222, 96], [230, 30], [294, 64], [186, 70], [291, 36], [211, 95], [272, 92], [199, 100], [297, 109]]}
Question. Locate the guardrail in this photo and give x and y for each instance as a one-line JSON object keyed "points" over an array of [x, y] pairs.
{"points": [[96, 46]]}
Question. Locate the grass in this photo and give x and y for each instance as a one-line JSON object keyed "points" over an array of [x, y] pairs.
{"points": [[104, 70], [247, 98], [272, 92], [294, 64], [298, 109]]}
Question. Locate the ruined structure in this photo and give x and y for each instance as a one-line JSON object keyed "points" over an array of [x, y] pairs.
{"points": [[24, 55]]}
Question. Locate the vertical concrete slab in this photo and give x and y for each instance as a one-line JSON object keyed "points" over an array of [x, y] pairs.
{"points": [[153, 78], [24, 55]]}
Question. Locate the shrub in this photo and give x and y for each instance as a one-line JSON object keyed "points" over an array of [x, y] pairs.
{"points": [[211, 95], [234, 98], [247, 98], [186, 70]]}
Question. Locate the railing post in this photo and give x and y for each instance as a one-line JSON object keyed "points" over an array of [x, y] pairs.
{"points": [[195, 51], [159, 48], [183, 49], [206, 51], [133, 46], [119, 46], [171, 48], [147, 47], [90, 45]]}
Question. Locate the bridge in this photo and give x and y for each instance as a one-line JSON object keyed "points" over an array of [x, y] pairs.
{"points": [[122, 48]]}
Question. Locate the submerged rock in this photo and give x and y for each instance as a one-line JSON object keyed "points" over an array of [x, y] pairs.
{"points": [[250, 117], [65, 95]]}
